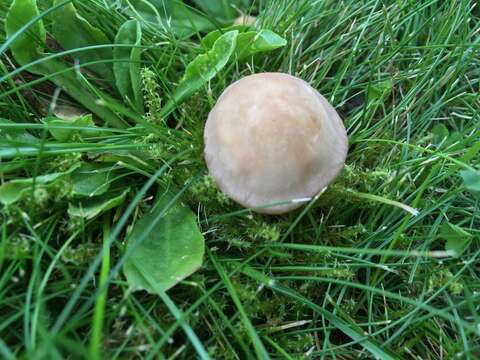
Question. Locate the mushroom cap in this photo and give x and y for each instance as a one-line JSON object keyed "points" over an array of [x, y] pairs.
{"points": [[245, 20], [272, 138]]}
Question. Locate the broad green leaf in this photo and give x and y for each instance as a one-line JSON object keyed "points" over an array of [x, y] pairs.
{"points": [[93, 206], [73, 31], [222, 9], [248, 42], [127, 63], [63, 75], [471, 180], [202, 69], [172, 15], [135, 71], [206, 66], [65, 134], [209, 39], [11, 192], [92, 180], [77, 88], [28, 46], [168, 247], [253, 42], [456, 239], [15, 190], [184, 19], [440, 133], [15, 134]]}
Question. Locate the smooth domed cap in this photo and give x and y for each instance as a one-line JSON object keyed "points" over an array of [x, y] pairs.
{"points": [[273, 138]]}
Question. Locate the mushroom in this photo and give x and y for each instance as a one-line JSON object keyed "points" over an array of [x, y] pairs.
{"points": [[245, 20], [273, 142]]}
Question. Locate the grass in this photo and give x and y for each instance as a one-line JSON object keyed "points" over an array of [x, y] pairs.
{"points": [[365, 270]]}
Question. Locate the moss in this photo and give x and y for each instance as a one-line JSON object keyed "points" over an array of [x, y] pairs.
{"points": [[151, 96], [17, 247], [298, 343], [441, 277], [264, 232], [81, 254], [41, 196], [206, 192]]}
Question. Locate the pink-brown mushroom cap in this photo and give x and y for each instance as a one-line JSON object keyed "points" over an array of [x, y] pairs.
{"points": [[272, 138]]}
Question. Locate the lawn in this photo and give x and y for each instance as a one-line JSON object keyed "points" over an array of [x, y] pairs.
{"points": [[117, 244]]}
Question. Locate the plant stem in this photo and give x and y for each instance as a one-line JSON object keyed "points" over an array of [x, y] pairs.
{"points": [[99, 311]]}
